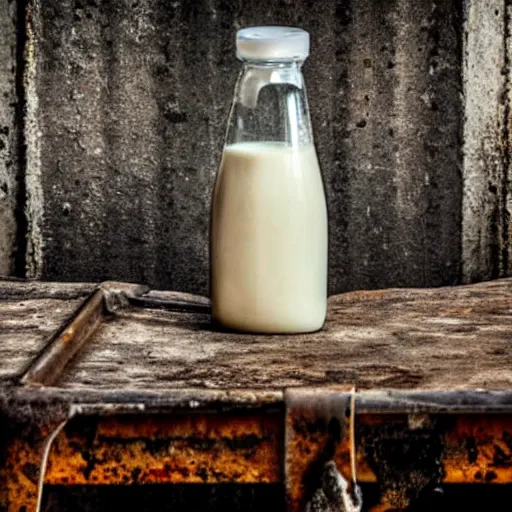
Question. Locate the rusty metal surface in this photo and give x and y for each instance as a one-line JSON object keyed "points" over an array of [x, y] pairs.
{"points": [[316, 426], [24, 427], [46, 368], [405, 453], [165, 498], [184, 442], [195, 448], [433, 402], [99, 402], [189, 442], [478, 449], [408, 453]]}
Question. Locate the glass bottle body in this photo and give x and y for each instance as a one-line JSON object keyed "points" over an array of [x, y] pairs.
{"points": [[268, 235]]}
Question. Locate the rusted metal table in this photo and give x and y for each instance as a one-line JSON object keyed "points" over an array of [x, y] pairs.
{"points": [[138, 387]]}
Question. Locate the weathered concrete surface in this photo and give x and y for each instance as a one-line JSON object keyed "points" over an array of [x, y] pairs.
{"points": [[391, 147], [33, 198], [8, 136], [486, 140], [507, 179], [133, 102], [130, 140]]}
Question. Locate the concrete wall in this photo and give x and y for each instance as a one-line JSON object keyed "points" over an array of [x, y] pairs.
{"points": [[125, 109], [486, 167], [9, 167]]}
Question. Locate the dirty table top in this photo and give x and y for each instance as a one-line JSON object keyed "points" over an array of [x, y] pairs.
{"points": [[457, 338]]}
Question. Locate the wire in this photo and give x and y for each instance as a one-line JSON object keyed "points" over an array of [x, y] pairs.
{"points": [[46, 454], [353, 435]]}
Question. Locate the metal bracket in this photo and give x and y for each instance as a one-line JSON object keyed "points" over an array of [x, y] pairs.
{"points": [[316, 423], [107, 299], [403, 452]]}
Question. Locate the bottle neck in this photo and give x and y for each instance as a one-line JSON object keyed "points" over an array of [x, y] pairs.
{"points": [[258, 74], [270, 104]]}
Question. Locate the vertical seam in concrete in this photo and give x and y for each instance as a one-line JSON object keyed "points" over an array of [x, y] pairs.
{"points": [[506, 141], [485, 91], [20, 254], [8, 136], [463, 243], [401, 122], [34, 191]]}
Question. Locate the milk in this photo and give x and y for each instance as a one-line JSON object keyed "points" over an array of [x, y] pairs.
{"points": [[269, 239]]}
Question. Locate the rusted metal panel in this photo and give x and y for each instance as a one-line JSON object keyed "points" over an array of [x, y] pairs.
{"points": [[193, 448], [180, 442], [478, 449], [404, 443], [24, 429], [165, 498], [316, 426], [404, 453]]}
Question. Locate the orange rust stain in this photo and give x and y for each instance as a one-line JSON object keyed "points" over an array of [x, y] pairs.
{"points": [[476, 449], [87, 315], [67, 335], [18, 477], [178, 449], [216, 448], [479, 450], [210, 426]]}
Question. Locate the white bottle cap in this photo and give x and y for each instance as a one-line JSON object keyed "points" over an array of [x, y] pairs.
{"points": [[272, 43]]}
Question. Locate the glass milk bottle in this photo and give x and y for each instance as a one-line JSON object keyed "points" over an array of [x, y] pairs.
{"points": [[268, 237]]}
